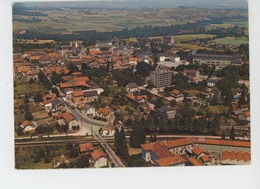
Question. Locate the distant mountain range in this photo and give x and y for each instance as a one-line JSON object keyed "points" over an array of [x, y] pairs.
{"points": [[137, 4]]}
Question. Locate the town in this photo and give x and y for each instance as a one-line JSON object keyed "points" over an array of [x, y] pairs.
{"points": [[149, 96]]}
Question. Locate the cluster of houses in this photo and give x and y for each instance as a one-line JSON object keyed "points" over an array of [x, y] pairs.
{"points": [[98, 157], [196, 152]]}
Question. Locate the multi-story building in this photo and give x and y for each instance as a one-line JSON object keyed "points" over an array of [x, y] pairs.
{"points": [[168, 40], [218, 60], [161, 77]]}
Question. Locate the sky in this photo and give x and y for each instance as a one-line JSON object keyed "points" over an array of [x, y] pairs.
{"points": [[149, 3]]}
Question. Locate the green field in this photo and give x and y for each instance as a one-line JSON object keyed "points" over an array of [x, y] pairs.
{"points": [[103, 20], [232, 40], [25, 87], [193, 47], [179, 38]]}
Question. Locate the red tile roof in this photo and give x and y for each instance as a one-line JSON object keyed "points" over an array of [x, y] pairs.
{"points": [[141, 97], [86, 147], [225, 142], [246, 156], [176, 92], [232, 155], [205, 158], [168, 161], [85, 79], [179, 142], [77, 93], [239, 156], [196, 150], [104, 111], [98, 154], [26, 123], [225, 155], [195, 162], [131, 97]]}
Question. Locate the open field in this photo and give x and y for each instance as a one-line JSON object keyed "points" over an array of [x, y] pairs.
{"points": [[228, 25], [67, 21], [36, 41], [191, 37], [193, 47], [25, 87], [232, 40]]}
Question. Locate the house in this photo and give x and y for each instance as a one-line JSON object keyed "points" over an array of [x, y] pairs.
{"points": [[77, 96], [192, 75], [180, 146], [86, 148], [105, 114], [131, 87], [45, 59], [107, 131], [194, 162], [235, 158], [46, 104], [205, 159], [171, 161], [89, 110], [198, 152], [169, 110], [28, 126], [236, 93], [177, 95], [211, 82], [154, 151], [140, 99], [57, 106], [90, 96], [67, 119], [99, 159]]}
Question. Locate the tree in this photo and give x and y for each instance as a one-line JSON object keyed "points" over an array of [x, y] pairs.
{"points": [[32, 80], [137, 136], [163, 122], [242, 99], [232, 133], [84, 66], [82, 161], [55, 78], [38, 97], [158, 103], [143, 69], [65, 129], [149, 123], [173, 102], [223, 136], [120, 144], [20, 131], [54, 90], [28, 115]]}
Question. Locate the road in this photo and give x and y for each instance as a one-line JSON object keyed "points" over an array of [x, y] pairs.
{"points": [[109, 151], [92, 127], [87, 125]]}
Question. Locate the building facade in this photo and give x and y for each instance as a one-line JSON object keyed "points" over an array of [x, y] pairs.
{"points": [[161, 78]]}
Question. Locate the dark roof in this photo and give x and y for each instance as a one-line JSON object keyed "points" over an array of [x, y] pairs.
{"points": [[56, 102], [90, 93], [131, 85], [88, 106]]}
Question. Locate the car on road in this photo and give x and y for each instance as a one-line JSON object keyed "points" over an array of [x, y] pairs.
{"points": [[73, 107]]}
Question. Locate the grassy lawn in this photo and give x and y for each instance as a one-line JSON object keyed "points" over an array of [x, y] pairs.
{"points": [[232, 40], [25, 87], [24, 157], [218, 109], [191, 37], [193, 47], [37, 41]]}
